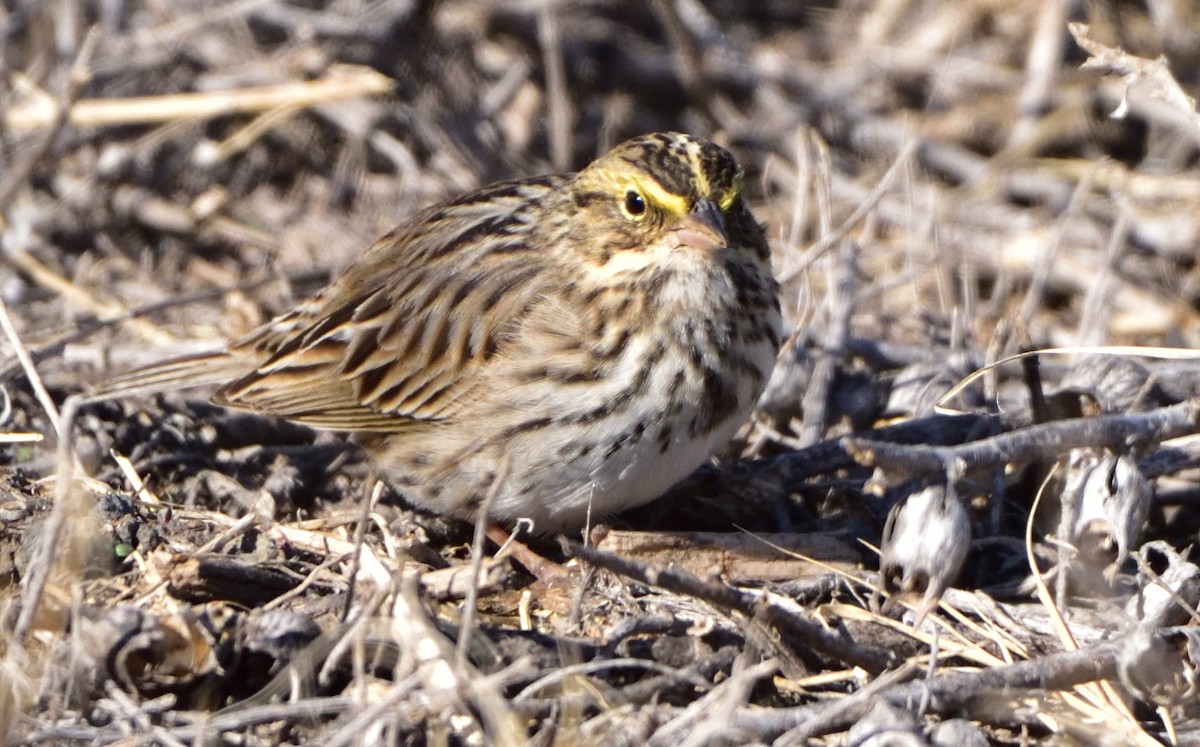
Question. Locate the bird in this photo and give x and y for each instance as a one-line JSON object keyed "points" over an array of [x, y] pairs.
{"points": [[559, 347]]}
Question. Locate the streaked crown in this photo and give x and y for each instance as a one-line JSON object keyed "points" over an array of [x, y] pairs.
{"points": [[672, 169]]}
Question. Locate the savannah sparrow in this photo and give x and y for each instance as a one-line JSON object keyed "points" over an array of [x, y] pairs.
{"points": [[570, 344]]}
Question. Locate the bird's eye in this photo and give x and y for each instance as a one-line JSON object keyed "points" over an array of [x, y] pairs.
{"points": [[634, 205]]}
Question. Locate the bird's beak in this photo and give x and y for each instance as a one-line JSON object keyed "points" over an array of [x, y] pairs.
{"points": [[703, 228]]}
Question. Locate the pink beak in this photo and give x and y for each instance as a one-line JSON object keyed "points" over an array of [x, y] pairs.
{"points": [[702, 229]]}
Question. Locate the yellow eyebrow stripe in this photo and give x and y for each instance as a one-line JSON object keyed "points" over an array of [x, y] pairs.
{"points": [[629, 176], [651, 190], [728, 198]]}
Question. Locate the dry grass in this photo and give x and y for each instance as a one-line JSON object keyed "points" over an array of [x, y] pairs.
{"points": [[946, 185]]}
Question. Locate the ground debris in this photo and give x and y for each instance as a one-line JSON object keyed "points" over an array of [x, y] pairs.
{"points": [[947, 186]]}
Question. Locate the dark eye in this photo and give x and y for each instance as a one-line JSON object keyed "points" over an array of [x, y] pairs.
{"points": [[635, 204]]}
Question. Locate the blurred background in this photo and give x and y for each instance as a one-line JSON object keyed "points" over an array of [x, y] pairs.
{"points": [[959, 146]]}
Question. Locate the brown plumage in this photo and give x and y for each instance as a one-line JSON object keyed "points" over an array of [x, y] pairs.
{"points": [[589, 337]]}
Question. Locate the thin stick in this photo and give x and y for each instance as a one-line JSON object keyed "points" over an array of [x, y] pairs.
{"points": [[776, 611], [470, 603], [21, 437], [49, 545], [343, 82], [35, 381], [86, 299], [829, 241], [550, 39], [360, 533]]}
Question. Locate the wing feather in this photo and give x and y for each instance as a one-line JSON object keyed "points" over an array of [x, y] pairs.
{"points": [[410, 330]]}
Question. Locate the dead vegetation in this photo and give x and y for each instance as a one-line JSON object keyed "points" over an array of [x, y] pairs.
{"points": [[946, 184]]}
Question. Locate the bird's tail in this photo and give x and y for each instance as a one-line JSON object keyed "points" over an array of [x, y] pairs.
{"points": [[198, 370]]}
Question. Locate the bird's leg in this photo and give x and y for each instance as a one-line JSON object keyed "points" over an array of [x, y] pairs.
{"points": [[546, 571]]}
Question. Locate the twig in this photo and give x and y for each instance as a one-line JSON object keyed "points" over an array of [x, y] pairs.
{"points": [[791, 469], [342, 82], [84, 298], [1039, 279], [817, 395], [1032, 443], [706, 720], [686, 56], [471, 602], [592, 667], [954, 692], [550, 40], [1156, 73], [1043, 65], [833, 716], [360, 533], [54, 121], [1097, 304], [292, 710], [827, 242], [35, 381], [49, 547], [748, 603]]}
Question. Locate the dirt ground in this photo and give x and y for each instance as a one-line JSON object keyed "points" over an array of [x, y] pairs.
{"points": [[945, 184]]}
